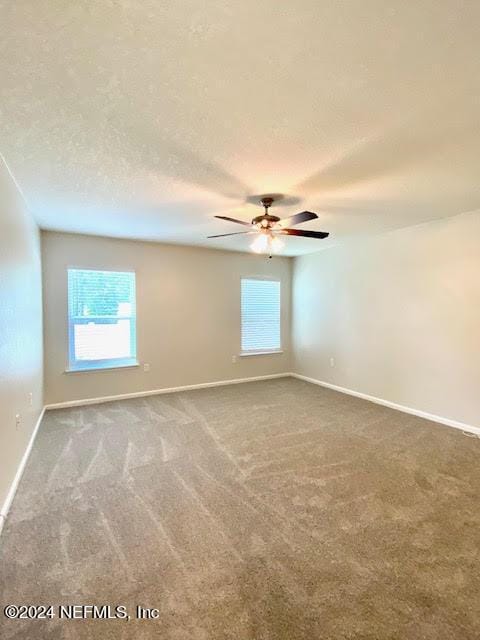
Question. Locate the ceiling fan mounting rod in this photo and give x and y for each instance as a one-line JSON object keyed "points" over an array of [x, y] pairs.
{"points": [[267, 202]]}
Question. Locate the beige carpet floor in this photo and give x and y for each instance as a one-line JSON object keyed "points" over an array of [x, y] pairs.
{"points": [[268, 511]]}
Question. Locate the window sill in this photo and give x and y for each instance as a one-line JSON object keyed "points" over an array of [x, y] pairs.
{"points": [[95, 369], [244, 354]]}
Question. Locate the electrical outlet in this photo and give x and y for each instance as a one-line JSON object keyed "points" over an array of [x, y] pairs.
{"points": [[332, 362], [146, 367], [234, 359], [30, 399], [18, 420]]}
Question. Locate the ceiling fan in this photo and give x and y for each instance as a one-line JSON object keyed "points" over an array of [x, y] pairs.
{"points": [[268, 228]]}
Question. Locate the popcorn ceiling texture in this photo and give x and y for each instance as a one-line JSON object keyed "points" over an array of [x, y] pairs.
{"points": [[144, 119], [261, 511]]}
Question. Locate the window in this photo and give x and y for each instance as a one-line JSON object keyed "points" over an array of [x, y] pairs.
{"points": [[101, 319], [260, 315]]}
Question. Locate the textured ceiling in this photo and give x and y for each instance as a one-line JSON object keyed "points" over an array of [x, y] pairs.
{"points": [[145, 119]]}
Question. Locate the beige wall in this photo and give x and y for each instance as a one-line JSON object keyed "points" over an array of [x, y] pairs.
{"points": [[188, 314], [399, 313], [20, 329]]}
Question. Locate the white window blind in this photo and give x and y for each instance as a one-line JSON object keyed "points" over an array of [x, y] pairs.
{"points": [[101, 319], [260, 315]]}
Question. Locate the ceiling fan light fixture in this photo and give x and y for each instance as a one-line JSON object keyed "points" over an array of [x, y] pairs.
{"points": [[260, 244]]}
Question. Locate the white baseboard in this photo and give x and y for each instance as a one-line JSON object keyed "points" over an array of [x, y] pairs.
{"points": [[154, 392], [18, 476], [392, 405]]}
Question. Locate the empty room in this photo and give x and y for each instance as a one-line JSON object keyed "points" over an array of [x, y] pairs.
{"points": [[240, 320]]}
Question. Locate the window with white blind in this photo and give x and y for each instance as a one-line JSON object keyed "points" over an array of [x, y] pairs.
{"points": [[260, 306], [101, 319]]}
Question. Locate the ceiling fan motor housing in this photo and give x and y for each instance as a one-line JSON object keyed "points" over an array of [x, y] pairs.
{"points": [[271, 220], [265, 221]]}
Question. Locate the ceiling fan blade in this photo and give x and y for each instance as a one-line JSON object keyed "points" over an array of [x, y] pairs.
{"points": [[248, 224], [238, 233], [297, 218], [306, 234]]}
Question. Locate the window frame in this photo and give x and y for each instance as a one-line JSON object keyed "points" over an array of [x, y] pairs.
{"points": [[79, 366], [262, 352]]}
